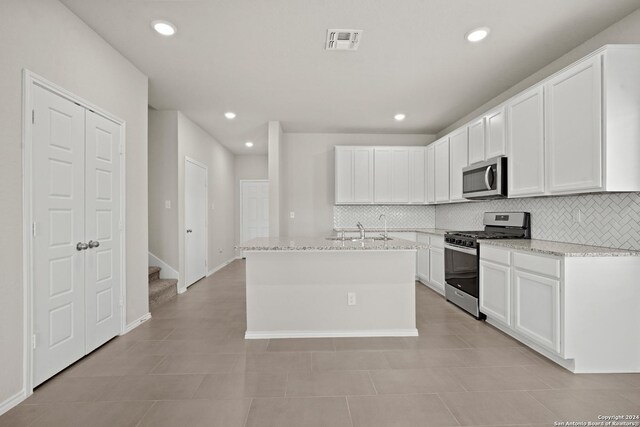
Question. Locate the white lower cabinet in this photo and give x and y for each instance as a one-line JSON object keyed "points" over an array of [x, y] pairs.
{"points": [[423, 258], [436, 270], [536, 308], [579, 311], [495, 294]]}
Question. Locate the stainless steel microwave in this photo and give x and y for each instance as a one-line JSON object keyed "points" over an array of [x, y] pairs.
{"points": [[485, 180]]}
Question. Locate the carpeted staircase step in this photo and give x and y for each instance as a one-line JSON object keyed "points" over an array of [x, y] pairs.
{"points": [[161, 291], [154, 273]]}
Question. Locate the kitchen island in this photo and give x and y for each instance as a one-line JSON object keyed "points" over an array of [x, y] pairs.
{"points": [[316, 287]]}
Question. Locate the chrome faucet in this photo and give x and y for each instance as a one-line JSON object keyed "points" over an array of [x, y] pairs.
{"points": [[386, 234], [361, 228]]}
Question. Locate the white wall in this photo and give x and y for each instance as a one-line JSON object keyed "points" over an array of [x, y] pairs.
{"points": [[247, 167], [307, 180], [625, 31], [46, 38], [197, 144], [163, 186]]}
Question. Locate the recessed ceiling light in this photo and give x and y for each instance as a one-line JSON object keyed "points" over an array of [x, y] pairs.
{"points": [[248, 144], [164, 28], [230, 115], [478, 34], [399, 117]]}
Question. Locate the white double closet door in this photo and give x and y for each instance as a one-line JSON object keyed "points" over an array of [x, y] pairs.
{"points": [[76, 232]]}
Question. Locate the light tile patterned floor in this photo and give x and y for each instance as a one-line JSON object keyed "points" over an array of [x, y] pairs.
{"points": [[190, 366]]}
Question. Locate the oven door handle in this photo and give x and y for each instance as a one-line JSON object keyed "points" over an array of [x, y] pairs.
{"points": [[473, 252]]}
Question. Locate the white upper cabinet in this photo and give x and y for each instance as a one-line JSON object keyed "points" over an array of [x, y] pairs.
{"points": [[495, 136], [573, 108], [430, 175], [442, 169], [526, 144], [457, 160], [354, 175], [391, 176], [417, 163], [477, 141]]}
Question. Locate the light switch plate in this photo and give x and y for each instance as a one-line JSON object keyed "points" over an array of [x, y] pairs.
{"points": [[167, 204], [292, 215]]}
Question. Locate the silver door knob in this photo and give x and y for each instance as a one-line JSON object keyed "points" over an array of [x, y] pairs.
{"points": [[189, 231], [82, 246], [93, 244]]}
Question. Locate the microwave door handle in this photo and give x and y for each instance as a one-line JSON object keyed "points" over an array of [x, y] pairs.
{"points": [[486, 177]]}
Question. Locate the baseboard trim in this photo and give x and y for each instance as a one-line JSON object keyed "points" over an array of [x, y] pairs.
{"points": [[430, 286], [258, 335], [12, 401], [224, 264], [139, 321], [166, 272]]}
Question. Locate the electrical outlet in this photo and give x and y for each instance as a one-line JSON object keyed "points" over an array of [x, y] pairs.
{"points": [[167, 204], [292, 215], [213, 207], [220, 250], [351, 298]]}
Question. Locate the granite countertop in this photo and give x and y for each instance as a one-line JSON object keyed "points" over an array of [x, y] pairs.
{"points": [[322, 244], [436, 231], [559, 248]]}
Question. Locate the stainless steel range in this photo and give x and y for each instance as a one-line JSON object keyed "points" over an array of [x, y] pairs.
{"points": [[462, 255]]}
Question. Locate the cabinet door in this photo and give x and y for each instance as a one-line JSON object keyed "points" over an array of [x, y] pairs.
{"points": [[458, 160], [495, 291], [400, 175], [436, 270], [423, 258], [442, 170], [537, 308], [496, 131], [417, 159], [344, 175], [526, 144], [362, 175], [430, 174], [573, 134], [382, 175], [476, 141]]}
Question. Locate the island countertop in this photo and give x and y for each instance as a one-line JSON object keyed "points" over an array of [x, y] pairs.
{"points": [[324, 244]]}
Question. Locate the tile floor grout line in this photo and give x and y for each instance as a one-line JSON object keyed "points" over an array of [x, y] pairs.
{"points": [[246, 417], [346, 398], [372, 383], [543, 405], [146, 412], [448, 409]]}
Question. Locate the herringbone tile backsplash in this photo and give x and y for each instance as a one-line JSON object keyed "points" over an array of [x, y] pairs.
{"points": [[611, 220], [397, 216]]}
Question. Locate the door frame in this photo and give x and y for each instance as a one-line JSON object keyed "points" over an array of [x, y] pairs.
{"points": [[242, 181], [29, 79], [193, 161]]}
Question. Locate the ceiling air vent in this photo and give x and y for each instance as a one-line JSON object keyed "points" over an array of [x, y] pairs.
{"points": [[343, 39]]}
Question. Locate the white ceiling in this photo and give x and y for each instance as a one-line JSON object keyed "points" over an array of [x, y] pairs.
{"points": [[265, 59]]}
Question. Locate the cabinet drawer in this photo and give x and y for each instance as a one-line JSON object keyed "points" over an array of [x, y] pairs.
{"points": [[537, 264], [499, 255], [437, 241]]}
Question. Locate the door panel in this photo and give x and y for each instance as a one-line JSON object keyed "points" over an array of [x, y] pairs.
{"points": [[436, 267], [195, 201], [442, 170], [362, 175], [344, 175], [495, 144], [102, 276], [574, 139], [526, 144], [476, 141], [495, 291], [430, 176], [255, 209], [58, 213], [458, 152]]}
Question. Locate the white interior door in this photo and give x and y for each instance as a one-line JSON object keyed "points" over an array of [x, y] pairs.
{"points": [[58, 213], [102, 230], [195, 201], [255, 209]]}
